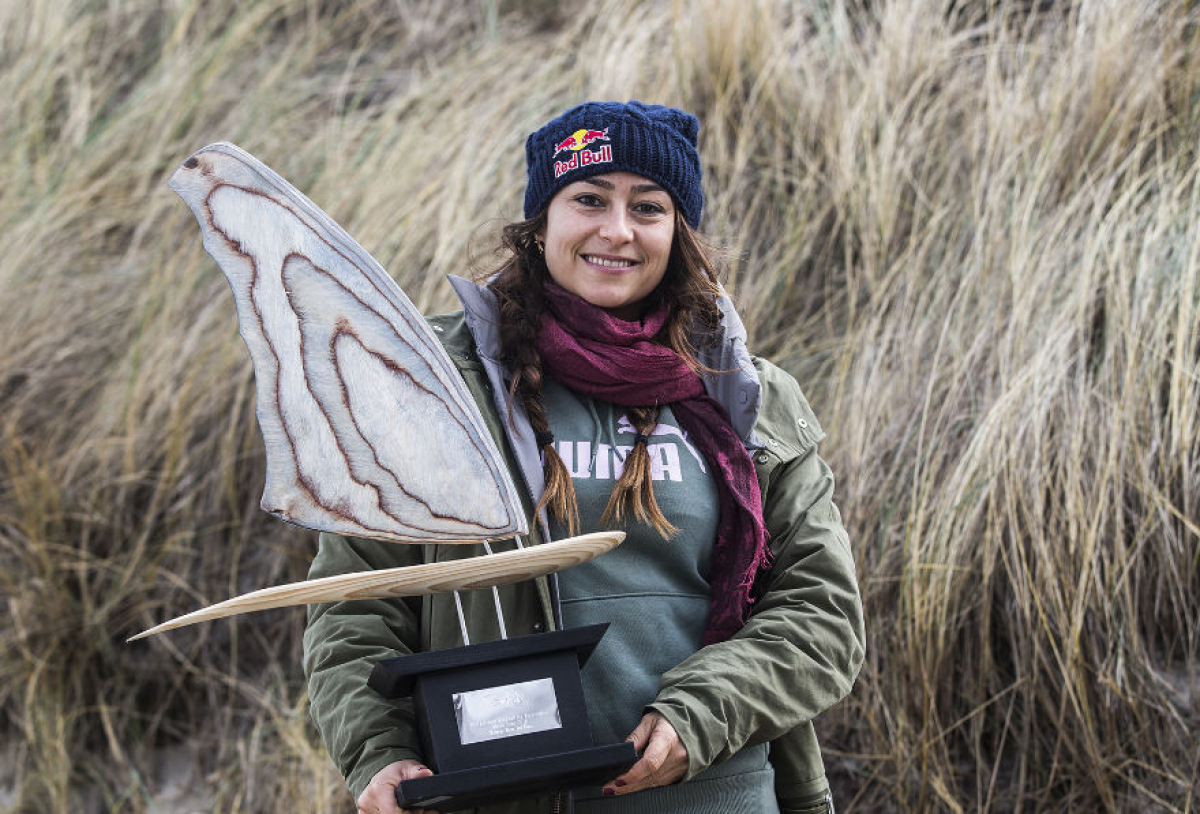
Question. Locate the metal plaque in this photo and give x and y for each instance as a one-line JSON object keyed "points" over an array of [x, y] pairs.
{"points": [[505, 711]]}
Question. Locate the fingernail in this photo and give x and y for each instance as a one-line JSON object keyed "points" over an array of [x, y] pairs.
{"points": [[619, 783], [609, 792]]}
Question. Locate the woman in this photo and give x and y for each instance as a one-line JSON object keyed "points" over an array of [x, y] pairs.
{"points": [[614, 373]]}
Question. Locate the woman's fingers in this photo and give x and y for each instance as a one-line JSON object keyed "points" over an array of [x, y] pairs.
{"points": [[379, 797], [640, 736], [663, 760]]}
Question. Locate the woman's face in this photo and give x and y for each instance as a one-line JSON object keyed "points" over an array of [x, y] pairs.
{"points": [[608, 239]]}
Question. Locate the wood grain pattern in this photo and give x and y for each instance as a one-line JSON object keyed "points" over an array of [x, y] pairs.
{"points": [[416, 580], [369, 429]]}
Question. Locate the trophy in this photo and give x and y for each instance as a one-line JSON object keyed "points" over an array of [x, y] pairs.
{"points": [[370, 431]]}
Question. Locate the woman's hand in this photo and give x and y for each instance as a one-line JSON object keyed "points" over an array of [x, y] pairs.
{"points": [[379, 797], [664, 757]]}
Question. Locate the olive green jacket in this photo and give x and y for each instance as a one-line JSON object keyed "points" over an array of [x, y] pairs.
{"points": [[797, 655]]}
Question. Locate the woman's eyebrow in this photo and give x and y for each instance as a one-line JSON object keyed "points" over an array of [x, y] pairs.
{"points": [[640, 188]]}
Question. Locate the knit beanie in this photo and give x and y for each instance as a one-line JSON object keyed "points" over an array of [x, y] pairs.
{"points": [[653, 141]]}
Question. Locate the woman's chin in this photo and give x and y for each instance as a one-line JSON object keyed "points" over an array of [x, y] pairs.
{"points": [[614, 303], [620, 307]]}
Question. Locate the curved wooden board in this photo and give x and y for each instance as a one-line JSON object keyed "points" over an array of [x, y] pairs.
{"points": [[416, 580], [369, 429]]}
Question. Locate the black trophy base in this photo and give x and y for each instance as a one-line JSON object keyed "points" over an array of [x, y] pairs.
{"points": [[501, 720], [483, 785]]}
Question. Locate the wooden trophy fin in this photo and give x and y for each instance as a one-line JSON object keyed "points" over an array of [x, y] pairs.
{"points": [[369, 428]]}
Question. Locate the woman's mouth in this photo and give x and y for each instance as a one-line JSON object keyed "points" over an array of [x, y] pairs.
{"points": [[609, 262]]}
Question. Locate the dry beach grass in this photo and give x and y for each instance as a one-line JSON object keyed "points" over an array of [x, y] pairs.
{"points": [[968, 228]]}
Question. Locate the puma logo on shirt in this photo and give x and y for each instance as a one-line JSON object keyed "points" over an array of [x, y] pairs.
{"points": [[607, 461]]}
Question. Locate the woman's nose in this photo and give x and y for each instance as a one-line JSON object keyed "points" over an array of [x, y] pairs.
{"points": [[616, 227]]}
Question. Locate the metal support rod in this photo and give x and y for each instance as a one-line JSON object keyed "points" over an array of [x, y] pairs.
{"points": [[496, 597], [462, 621]]}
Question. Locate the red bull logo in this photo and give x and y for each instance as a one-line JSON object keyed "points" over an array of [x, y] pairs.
{"points": [[581, 157], [580, 139]]}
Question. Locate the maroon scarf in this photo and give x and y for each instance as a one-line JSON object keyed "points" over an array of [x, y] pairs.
{"points": [[599, 355]]}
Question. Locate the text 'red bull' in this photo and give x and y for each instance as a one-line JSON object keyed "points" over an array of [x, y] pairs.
{"points": [[583, 158]]}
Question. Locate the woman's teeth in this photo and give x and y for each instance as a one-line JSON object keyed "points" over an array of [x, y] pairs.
{"points": [[608, 264]]}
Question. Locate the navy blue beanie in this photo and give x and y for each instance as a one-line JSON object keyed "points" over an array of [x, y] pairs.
{"points": [[652, 141]]}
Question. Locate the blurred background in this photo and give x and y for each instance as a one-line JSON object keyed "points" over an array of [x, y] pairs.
{"points": [[968, 228]]}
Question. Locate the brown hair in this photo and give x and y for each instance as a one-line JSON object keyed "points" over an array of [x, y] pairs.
{"points": [[689, 289]]}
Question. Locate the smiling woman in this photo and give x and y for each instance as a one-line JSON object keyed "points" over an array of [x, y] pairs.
{"points": [[614, 371]]}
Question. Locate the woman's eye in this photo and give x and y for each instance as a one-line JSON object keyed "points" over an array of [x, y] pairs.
{"points": [[649, 208], [587, 199]]}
